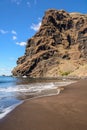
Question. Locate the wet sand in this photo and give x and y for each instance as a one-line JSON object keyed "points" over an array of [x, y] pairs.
{"points": [[66, 111]]}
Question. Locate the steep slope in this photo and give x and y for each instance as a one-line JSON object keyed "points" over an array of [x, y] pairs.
{"points": [[58, 48]]}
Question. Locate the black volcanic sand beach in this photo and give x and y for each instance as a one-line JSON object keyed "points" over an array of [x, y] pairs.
{"points": [[66, 111]]}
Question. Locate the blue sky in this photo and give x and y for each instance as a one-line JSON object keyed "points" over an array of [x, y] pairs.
{"points": [[20, 19]]}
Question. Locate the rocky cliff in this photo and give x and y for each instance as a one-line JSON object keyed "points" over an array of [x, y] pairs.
{"points": [[59, 48]]}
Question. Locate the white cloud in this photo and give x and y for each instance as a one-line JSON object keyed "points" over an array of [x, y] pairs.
{"points": [[3, 31], [12, 59], [35, 27], [14, 32], [39, 18], [28, 4], [35, 2], [6, 71], [21, 43], [2, 69], [14, 37], [18, 2]]}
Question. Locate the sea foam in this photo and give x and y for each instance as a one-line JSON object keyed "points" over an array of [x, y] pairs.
{"points": [[37, 89], [7, 110], [34, 87]]}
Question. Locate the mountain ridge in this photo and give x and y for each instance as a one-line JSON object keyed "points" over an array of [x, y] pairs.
{"points": [[59, 48]]}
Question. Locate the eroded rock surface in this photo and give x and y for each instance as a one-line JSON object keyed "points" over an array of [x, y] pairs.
{"points": [[58, 48]]}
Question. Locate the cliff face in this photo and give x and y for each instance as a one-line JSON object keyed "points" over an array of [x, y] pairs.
{"points": [[58, 48]]}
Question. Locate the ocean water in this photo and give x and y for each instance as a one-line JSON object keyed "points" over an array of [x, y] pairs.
{"points": [[13, 91]]}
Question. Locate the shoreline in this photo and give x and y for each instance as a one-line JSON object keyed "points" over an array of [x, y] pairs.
{"points": [[12, 108], [45, 93], [9, 110], [60, 112]]}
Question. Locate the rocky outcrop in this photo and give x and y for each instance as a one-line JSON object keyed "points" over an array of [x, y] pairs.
{"points": [[58, 48]]}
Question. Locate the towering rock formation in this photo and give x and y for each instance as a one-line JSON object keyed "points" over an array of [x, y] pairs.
{"points": [[58, 48]]}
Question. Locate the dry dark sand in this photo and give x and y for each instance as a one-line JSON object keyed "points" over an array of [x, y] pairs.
{"points": [[66, 111]]}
